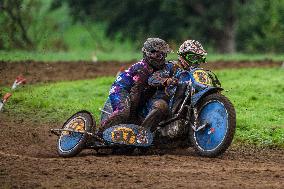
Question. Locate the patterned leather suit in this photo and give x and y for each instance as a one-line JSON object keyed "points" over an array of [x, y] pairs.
{"points": [[126, 91], [130, 85]]}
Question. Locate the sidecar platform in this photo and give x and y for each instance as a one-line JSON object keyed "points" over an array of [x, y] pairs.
{"points": [[119, 135], [78, 133], [128, 134]]}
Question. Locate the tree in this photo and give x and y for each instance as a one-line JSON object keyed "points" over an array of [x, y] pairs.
{"points": [[16, 29], [32, 24], [261, 27], [213, 22]]}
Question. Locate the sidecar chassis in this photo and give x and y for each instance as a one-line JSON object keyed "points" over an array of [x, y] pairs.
{"points": [[100, 144]]}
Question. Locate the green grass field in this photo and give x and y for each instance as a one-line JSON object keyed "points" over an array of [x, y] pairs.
{"points": [[258, 96], [121, 55]]}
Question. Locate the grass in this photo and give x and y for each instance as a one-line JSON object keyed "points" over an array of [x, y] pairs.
{"points": [[257, 94], [55, 102], [120, 55]]}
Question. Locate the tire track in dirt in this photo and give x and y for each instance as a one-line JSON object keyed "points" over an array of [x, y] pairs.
{"points": [[15, 155], [151, 171]]}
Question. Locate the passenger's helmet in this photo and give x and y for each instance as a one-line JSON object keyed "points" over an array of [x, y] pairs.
{"points": [[192, 52], [155, 51]]}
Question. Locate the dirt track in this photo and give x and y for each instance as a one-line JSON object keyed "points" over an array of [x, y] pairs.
{"points": [[28, 157], [29, 160]]}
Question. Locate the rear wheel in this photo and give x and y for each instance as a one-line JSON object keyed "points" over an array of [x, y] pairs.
{"points": [[71, 143], [218, 114]]}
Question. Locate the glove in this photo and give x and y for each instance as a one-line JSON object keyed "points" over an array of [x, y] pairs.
{"points": [[170, 81], [140, 78]]}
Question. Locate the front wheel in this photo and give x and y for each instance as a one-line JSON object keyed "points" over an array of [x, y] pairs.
{"points": [[73, 140], [217, 113]]}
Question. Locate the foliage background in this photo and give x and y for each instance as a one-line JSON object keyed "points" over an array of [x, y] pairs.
{"points": [[246, 26]]}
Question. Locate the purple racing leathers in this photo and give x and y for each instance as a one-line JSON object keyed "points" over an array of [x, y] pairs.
{"points": [[125, 93]]}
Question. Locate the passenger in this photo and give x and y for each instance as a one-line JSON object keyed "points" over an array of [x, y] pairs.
{"points": [[190, 55]]}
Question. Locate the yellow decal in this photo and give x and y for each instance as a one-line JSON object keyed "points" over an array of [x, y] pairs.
{"points": [[123, 134], [202, 77], [77, 124]]}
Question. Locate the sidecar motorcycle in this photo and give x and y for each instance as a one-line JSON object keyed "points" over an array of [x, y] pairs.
{"points": [[200, 117]]}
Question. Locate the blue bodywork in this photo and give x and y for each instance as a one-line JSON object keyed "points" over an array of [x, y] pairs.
{"points": [[197, 96], [200, 89]]}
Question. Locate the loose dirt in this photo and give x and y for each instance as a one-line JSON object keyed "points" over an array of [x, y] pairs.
{"points": [[28, 159], [36, 72]]}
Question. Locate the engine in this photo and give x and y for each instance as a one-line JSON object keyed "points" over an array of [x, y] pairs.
{"points": [[174, 129]]}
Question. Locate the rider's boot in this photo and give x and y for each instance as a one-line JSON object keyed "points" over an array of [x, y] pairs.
{"points": [[156, 115], [116, 118]]}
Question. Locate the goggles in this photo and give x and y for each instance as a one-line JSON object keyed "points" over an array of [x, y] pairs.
{"points": [[193, 58]]}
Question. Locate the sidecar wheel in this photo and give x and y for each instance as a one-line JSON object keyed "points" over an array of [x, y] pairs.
{"points": [[219, 114], [72, 143]]}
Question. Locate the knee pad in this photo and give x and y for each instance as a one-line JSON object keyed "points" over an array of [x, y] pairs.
{"points": [[162, 105]]}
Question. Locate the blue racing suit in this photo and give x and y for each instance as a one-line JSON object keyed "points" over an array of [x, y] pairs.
{"points": [[158, 105], [159, 80]]}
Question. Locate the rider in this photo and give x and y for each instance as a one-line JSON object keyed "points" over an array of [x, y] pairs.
{"points": [[125, 92], [190, 55]]}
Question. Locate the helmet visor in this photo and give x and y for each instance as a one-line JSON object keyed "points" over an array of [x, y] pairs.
{"points": [[157, 55], [193, 58]]}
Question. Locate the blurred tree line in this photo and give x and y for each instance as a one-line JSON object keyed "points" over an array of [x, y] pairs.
{"points": [[223, 26], [32, 24]]}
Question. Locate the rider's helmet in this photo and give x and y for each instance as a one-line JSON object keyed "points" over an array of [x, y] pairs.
{"points": [[155, 51], [192, 53]]}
